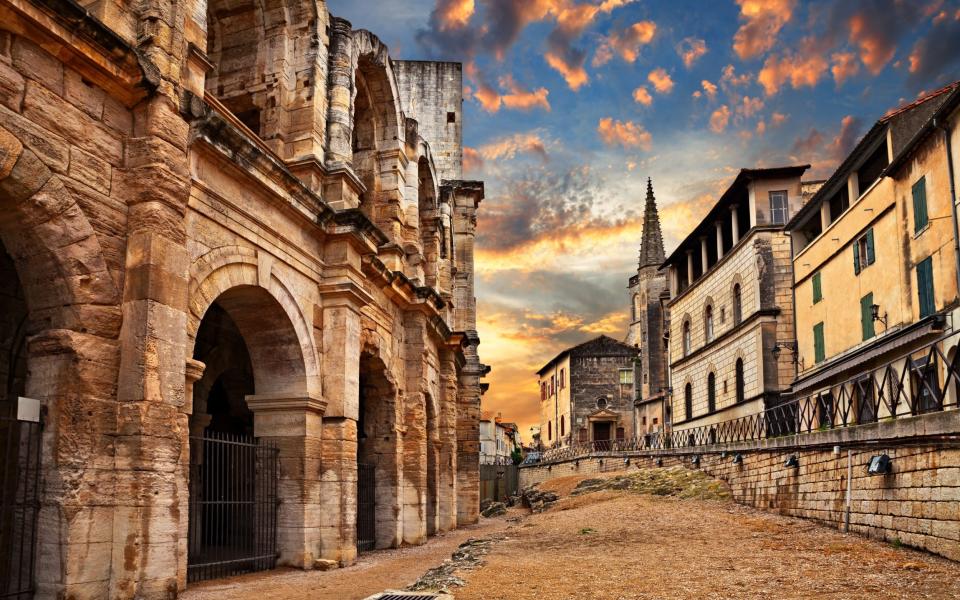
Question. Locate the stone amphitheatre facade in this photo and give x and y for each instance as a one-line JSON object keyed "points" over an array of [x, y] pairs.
{"points": [[232, 222]]}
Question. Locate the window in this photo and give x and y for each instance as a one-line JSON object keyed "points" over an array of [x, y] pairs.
{"points": [[626, 376], [866, 406], [708, 323], [644, 420], [737, 305], [778, 207], [920, 218], [563, 425], [825, 409], [655, 420], [621, 433], [925, 386], [563, 378], [866, 316], [819, 351], [925, 287], [738, 380], [686, 338], [601, 403], [553, 385], [711, 392], [817, 288], [863, 255], [549, 430], [583, 435], [451, 117], [688, 401]]}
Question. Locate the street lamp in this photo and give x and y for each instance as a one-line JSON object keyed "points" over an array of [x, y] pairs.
{"points": [[875, 315]]}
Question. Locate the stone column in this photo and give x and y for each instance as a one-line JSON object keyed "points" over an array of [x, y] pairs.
{"points": [[340, 93], [734, 224], [447, 461], [704, 255], [294, 425], [689, 267], [719, 225], [413, 493], [824, 216], [197, 423]]}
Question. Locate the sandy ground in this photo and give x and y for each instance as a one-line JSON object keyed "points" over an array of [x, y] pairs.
{"points": [[374, 572], [614, 545]]}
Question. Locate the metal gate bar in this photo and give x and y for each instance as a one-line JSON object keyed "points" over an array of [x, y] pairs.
{"points": [[233, 506], [366, 508], [19, 505]]}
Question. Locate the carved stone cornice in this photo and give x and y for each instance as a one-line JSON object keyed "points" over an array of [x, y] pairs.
{"points": [[286, 403]]}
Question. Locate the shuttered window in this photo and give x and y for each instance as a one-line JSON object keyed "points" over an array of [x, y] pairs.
{"points": [[819, 352], [866, 316], [920, 218], [863, 252], [817, 288], [925, 287]]}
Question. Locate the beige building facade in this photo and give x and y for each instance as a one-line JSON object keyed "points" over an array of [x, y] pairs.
{"points": [[731, 303], [876, 262], [233, 222]]}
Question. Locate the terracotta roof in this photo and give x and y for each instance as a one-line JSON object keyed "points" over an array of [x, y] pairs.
{"points": [[920, 100]]}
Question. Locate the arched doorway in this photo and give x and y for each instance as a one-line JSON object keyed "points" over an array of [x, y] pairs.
{"points": [[248, 347], [378, 464]]}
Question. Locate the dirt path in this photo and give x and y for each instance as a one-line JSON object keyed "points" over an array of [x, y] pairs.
{"points": [[374, 572], [613, 545]]}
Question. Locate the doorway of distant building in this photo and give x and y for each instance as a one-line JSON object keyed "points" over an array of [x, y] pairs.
{"points": [[601, 435]]}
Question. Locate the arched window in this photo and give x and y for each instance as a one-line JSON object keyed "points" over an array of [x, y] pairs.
{"points": [[686, 338], [737, 305], [739, 380], [549, 430], [563, 425], [601, 403], [708, 323], [711, 392], [688, 401]]}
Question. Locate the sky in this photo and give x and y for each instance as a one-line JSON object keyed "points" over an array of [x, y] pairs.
{"points": [[570, 105]]}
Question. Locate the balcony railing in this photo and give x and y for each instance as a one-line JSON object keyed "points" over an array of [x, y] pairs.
{"points": [[925, 380]]}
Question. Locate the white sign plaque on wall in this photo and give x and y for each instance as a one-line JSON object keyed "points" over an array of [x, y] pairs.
{"points": [[28, 409]]}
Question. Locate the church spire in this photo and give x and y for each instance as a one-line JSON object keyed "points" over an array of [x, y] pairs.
{"points": [[651, 246]]}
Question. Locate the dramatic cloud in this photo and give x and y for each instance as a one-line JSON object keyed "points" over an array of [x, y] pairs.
{"points": [[729, 78], [825, 156], [844, 67], [847, 137], [513, 96], [661, 81], [719, 119], [777, 119], [803, 68], [763, 20], [472, 161], [749, 106], [641, 95], [508, 147], [808, 145], [690, 50], [626, 43], [935, 56], [454, 14], [626, 133], [709, 89]]}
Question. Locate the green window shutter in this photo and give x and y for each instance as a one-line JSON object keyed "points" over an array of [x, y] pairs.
{"points": [[856, 257], [925, 287], [870, 256], [920, 218], [817, 288], [866, 316], [819, 352]]}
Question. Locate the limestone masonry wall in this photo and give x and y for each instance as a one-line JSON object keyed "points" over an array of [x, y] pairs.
{"points": [[918, 503]]}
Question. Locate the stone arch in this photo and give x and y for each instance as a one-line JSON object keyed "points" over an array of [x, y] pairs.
{"points": [[69, 318], [250, 275]]}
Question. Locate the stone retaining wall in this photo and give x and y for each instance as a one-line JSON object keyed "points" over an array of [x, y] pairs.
{"points": [[917, 504]]}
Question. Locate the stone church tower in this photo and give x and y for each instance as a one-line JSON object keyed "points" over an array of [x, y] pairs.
{"points": [[647, 322]]}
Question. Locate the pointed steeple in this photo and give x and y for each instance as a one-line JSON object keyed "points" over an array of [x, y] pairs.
{"points": [[651, 246]]}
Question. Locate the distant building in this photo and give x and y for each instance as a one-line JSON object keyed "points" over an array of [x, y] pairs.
{"points": [[875, 265], [731, 302], [498, 440], [647, 292], [586, 394]]}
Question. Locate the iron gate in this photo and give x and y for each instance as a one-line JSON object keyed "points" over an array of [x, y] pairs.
{"points": [[233, 506], [19, 505], [366, 507], [498, 482]]}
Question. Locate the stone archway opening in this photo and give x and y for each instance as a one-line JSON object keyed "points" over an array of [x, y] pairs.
{"points": [[377, 458], [13, 334], [252, 363]]}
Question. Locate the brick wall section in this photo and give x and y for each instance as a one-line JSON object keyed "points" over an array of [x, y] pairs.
{"points": [[917, 503]]}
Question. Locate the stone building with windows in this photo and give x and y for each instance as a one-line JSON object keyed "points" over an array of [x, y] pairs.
{"points": [[648, 289], [586, 394], [231, 222], [876, 263], [731, 305]]}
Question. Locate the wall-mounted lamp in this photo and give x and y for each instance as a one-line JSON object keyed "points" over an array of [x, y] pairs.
{"points": [[626, 461], [723, 455], [695, 460], [659, 462], [792, 462], [738, 459], [875, 315], [880, 465], [780, 346]]}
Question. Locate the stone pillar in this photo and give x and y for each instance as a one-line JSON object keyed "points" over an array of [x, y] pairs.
{"points": [[340, 93], [338, 488], [734, 225], [689, 267], [413, 493], [294, 426], [197, 423], [719, 225], [447, 461], [704, 255], [824, 216]]}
